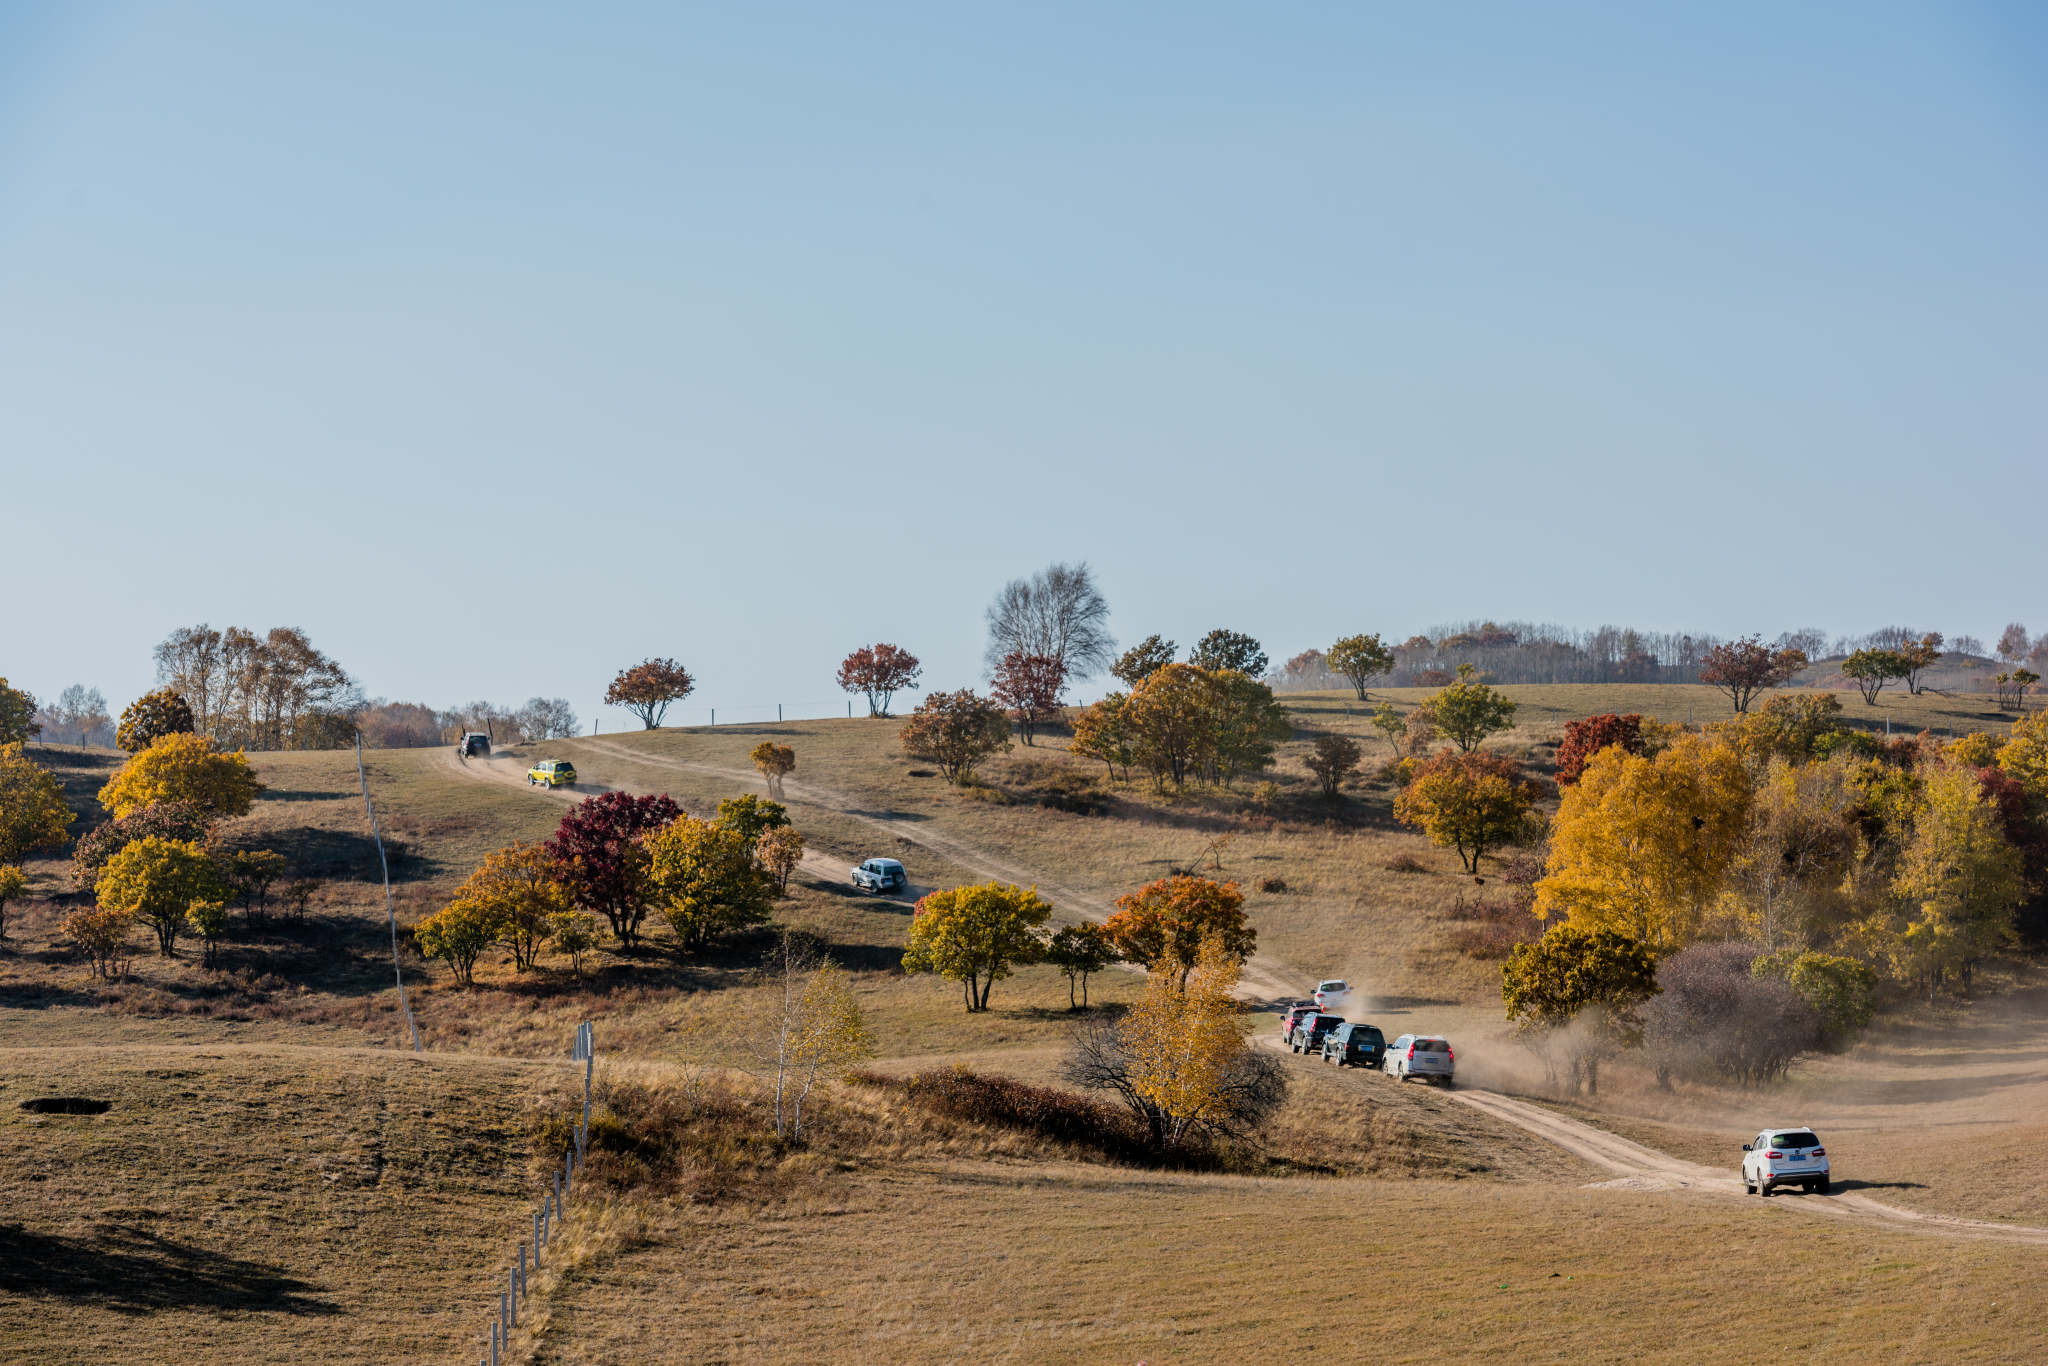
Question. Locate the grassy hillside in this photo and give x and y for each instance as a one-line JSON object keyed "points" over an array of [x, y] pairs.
{"points": [[279, 1179]]}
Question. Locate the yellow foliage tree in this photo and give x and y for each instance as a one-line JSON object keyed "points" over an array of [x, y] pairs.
{"points": [[32, 811], [183, 768], [1787, 881], [975, 935], [516, 891], [1958, 881], [705, 880], [775, 762], [1186, 1040], [458, 933], [2024, 757], [1644, 845], [1467, 802], [156, 881], [779, 850]]}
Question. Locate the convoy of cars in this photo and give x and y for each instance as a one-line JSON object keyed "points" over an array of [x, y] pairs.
{"points": [[1307, 1027]]}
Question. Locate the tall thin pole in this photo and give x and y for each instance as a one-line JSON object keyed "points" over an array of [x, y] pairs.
{"points": [[390, 907]]}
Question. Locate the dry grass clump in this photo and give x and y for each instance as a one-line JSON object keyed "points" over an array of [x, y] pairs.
{"points": [[1404, 863]]}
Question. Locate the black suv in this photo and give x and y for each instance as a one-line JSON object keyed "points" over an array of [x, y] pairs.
{"points": [[1308, 1035], [473, 744], [1360, 1044]]}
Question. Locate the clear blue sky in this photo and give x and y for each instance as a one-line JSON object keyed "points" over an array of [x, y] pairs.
{"points": [[499, 346]]}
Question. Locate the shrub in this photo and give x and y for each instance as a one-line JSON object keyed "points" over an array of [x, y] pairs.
{"points": [[181, 821], [179, 768], [1404, 863], [1716, 1016], [1584, 739], [1273, 885]]}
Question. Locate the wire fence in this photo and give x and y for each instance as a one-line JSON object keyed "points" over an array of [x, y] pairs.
{"points": [[548, 1215], [756, 713]]}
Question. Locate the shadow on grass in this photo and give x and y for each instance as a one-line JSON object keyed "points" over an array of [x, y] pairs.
{"points": [[1878, 1186], [131, 1271]]}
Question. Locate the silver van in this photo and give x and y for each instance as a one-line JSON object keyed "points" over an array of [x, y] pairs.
{"points": [[1421, 1055]]}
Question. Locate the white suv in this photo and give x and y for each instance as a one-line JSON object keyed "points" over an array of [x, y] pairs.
{"points": [[1333, 995], [1786, 1156]]}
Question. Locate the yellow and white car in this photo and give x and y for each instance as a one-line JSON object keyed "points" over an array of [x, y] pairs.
{"points": [[552, 773]]}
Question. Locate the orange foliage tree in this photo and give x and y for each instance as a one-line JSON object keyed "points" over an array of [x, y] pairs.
{"points": [[1162, 925], [647, 688], [878, 671]]}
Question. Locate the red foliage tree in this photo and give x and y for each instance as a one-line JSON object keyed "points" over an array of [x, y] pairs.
{"points": [[1030, 687], [878, 671], [1584, 739], [1744, 668], [647, 688], [597, 847]]}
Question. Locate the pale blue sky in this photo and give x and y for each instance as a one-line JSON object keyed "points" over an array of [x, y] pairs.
{"points": [[501, 346]]}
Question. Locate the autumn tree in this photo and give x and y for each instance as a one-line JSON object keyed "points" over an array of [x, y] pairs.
{"points": [[704, 878], [804, 1025], [1180, 1059], [150, 717], [1643, 845], [156, 881], [13, 886], [183, 821], [1029, 686], [1080, 951], [1169, 718], [1246, 722], [1584, 739], [1958, 881], [1332, 759], [1789, 726], [1595, 979], [1103, 731], [975, 936], [1232, 650], [33, 815], [575, 933], [1391, 726], [779, 851], [1744, 668], [1790, 880], [18, 724], [597, 850], [82, 711], [1466, 711], [1919, 656], [1872, 669], [1361, 659], [251, 873], [458, 934], [1162, 925], [751, 817], [1143, 660], [2013, 644], [183, 768], [1468, 802], [268, 691], [547, 718], [1057, 612], [648, 688], [208, 920], [102, 931], [956, 731], [516, 890], [2024, 756], [776, 762], [878, 672]]}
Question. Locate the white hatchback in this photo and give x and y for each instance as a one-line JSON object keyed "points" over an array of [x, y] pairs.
{"points": [[1791, 1155]]}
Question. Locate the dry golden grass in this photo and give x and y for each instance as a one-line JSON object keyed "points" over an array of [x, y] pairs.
{"points": [[255, 1204]]}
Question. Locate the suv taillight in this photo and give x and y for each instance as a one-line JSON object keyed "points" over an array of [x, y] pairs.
{"points": [[1411, 1050], [1774, 1153], [1818, 1152]]}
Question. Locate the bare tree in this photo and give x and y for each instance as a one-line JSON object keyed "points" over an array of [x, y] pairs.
{"points": [[1057, 612], [2013, 645], [547, 718]]}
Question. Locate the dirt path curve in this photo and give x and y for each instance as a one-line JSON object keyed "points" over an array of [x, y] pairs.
{"points": [[1261, 979], [1646, 1169]]}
